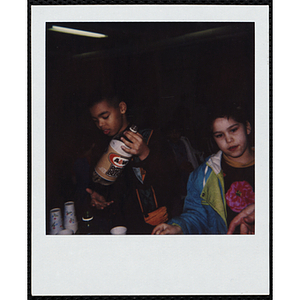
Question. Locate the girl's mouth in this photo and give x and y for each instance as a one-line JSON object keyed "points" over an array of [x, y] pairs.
{"points": [[233, 148], [106, 131]]}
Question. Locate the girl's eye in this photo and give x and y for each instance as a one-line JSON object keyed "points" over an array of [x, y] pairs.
{"points": [[234, 129], [218, 135]]}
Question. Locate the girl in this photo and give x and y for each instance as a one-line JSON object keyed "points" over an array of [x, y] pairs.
{"points": [[220, 191]]}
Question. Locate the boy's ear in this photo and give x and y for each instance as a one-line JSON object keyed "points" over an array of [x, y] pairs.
{"points": [[123, 107], [248, 127]]}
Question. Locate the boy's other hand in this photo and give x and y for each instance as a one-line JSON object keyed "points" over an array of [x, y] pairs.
{"points": [[97, 200]]}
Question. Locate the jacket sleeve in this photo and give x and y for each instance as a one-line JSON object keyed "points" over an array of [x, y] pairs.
{"points": [[199, 216], [194, 218]]}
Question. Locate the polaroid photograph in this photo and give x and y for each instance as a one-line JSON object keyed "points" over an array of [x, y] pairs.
{"points": [[150, 150]]}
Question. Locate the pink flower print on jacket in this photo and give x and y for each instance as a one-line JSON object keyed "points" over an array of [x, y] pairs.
{"points": [[239, 196]]}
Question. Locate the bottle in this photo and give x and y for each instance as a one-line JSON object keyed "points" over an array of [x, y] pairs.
{"points": [[113, 161], [87, 223]]}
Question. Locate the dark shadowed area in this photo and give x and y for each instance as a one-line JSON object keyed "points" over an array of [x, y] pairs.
{"points": [[165, 71]]}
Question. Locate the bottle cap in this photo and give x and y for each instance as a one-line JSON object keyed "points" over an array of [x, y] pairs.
{"points": [[133, 128], [87, 219]]}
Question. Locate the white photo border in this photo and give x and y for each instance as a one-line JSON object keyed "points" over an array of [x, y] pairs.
{"points": [[150, 265]]}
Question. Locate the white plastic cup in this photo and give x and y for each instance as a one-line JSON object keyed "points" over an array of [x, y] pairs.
{"points": [[55, 221], [118, 230], [70, 221], [65, 232]]}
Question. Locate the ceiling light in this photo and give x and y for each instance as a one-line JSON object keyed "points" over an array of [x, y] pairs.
{"points": [[77, 32]]}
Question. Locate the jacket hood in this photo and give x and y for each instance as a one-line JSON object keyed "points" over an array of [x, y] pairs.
{"points": [[214, 162]]}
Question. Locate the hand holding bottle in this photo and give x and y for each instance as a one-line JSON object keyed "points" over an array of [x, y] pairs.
{"points": [[97, 200], [117, 156], [137, 146]]}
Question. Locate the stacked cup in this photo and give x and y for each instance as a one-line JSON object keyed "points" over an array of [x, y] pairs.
{"points": [[55, 221], [70, 221]]}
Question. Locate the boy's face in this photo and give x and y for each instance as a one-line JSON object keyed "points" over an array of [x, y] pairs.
{"points": [[109, 119], [231, 138]]}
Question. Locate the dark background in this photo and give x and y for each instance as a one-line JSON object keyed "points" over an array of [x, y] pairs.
{"points": [[164, 71]]}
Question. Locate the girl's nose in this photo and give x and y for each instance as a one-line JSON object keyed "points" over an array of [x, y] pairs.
{"points": [[228, 138]]}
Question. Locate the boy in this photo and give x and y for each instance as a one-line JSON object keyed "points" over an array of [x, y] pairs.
{"points": [[146, 192]]}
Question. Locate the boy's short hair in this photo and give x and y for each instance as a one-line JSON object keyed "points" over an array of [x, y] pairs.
{"points": [[97, 96]]}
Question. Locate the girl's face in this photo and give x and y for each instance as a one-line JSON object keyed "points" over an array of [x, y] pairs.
{"points": [[109, 119], [231, 138]]}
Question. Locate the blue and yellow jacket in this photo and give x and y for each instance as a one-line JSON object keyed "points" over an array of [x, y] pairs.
{"points": [[204, 210]]}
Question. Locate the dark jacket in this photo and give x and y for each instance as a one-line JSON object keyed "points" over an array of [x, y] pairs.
{"points": [[134, 194]]}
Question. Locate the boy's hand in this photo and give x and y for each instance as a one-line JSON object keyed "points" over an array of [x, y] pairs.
{"points": [[166, 229], [138, 146], [97, 200], [246, 220]]}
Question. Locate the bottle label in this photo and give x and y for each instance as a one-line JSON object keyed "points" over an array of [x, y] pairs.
{"points": [[112, 162]]}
